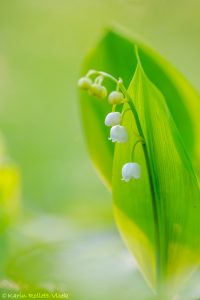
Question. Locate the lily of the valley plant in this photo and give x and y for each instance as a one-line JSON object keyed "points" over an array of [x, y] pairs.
{"points": [[141, 122], [118, 133]]}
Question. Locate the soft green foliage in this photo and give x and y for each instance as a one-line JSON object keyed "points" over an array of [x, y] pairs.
{"points": [[10, 190], [158, 214], [51, 253], [42, 45]]}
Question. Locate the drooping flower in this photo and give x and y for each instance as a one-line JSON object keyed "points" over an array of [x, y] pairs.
{"points": [[113, 118], [98, 91], [84, 83], [118, 134], [131, 170], [115, 97]]}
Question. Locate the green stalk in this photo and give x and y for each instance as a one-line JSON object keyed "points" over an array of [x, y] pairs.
{"points": [[154, 204]]}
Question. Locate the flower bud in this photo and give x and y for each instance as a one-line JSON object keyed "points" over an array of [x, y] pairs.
{"points": [[118, 134], [115, 97], [131, 170], [98, 90], [113, 118], [84, 83]]}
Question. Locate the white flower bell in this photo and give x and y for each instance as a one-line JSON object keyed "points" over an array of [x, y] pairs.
{"points": [[113, 118], [115, 97], [118, 134], [131, 170]]}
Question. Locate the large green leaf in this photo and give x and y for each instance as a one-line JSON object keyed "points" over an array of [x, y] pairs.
{"points": [[157, 215], [115, 54], [181, 98], [158, 221]]}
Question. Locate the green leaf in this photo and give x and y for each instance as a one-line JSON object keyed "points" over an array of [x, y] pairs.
{"points": [[115, 54], [158, 215], [181, 98]]}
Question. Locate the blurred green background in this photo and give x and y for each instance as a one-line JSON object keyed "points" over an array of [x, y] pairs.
{"points": [[42, 46]]}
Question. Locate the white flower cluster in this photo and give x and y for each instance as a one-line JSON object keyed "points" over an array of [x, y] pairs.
{"points": [[118, 133]]}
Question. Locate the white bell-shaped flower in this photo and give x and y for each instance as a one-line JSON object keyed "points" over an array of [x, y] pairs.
{"points": [[113, 118], [131, 170], [118, 134], [115, 97]]}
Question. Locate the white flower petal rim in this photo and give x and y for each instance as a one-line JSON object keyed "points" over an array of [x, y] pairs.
{"points": [[113, 118], [118, 134], [131, 170]]}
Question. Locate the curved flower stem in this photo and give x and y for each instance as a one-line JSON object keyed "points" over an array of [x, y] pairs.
{"points": [[124, 112], [99, 79], [134, 146], [113, 107], [104, 74]]}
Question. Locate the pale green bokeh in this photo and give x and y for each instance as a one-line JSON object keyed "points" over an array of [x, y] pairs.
{"points": [[42, 46]]}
